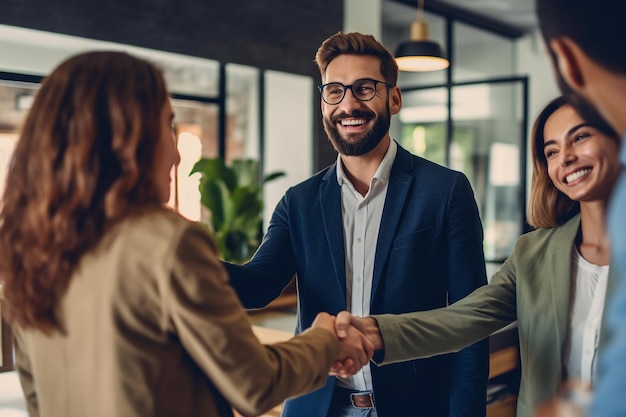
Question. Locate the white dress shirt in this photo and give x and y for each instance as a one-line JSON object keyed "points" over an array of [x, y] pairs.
{"points": [[587, 304], [361, 221]]}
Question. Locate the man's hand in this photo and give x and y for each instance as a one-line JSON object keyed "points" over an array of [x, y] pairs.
{"points": [[355, 349], [345, 324], [366, 325]]}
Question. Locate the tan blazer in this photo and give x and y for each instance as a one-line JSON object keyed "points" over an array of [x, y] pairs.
{"points": [[153, 328], [532, 287]]}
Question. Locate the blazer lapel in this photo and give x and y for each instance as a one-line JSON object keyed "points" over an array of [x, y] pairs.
{"points": [[330, 203], [397, 192]]}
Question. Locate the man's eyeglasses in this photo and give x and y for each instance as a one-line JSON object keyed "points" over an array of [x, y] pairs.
{"points": [[363, 90]]}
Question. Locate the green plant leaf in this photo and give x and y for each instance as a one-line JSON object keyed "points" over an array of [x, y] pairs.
{"points": [[234, 245], [272, 176], [215, 168], [247, 199], [234, 196], [215, 196], [247, 170]]}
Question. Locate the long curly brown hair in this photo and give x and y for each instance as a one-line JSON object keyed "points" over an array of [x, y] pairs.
{"points": [[83, 162]]}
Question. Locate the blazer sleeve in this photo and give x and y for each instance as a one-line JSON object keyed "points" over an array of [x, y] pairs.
{"points": [[205, 313], [272, 266], [449, 329]]}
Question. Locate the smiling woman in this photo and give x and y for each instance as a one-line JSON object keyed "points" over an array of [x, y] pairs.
{"points": [[578, 156], [558, 125]]}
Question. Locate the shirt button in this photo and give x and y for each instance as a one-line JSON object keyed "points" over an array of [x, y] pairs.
{"points": [[588, 352]]}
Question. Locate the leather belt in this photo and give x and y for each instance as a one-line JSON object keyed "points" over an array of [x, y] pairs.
{"points": [[357, 399], [362, 399]]}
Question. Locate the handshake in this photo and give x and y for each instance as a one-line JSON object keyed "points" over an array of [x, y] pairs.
{"points": [[358, 339]]}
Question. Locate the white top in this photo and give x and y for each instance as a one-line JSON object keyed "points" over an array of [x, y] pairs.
{"points": [[361, 221], [587, 303]]}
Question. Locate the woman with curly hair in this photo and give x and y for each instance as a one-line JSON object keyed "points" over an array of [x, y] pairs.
{"points": [[120, 306]]}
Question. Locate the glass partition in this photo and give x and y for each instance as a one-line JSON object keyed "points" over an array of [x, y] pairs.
{"points": [[197, 135], [481, 133], [242, 112], [186, 75], [423, 120], [15, 100], [487, 145]]}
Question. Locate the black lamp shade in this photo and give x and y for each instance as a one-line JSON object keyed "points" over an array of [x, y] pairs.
{"points": [[421, 55]]}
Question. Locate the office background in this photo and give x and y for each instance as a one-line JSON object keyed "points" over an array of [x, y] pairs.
{"points": [[243, 82]]}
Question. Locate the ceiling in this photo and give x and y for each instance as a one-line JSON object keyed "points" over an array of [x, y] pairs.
{"points": [[511, 17]]}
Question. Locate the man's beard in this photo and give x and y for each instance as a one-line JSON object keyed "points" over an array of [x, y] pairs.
{"points": [[366, 143], [582, 106]]}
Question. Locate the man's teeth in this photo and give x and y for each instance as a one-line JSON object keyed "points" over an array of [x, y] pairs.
{"points": [[574, 176], [352, 122]]}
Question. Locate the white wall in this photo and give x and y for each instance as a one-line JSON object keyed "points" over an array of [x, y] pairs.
{"points": [[288, 134]]}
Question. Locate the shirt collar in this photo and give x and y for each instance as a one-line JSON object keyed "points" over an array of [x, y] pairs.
{"points": [[384, 169]]}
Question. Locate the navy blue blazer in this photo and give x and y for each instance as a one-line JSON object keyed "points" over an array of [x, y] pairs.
{"points": [[429, 253]]}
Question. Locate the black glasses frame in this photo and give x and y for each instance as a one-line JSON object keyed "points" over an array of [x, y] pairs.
{"points": [[346, 87]]}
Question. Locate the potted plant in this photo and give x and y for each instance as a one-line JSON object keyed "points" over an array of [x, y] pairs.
{"points": [[234, 197]]}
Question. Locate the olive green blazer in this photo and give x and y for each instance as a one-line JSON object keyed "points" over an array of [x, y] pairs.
{"points": [[153, 328], [532, 287]]}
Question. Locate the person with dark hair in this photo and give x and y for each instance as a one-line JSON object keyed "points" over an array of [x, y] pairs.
{"points": [[120, 306], [553, 283], [379, 231], [585, 43]]}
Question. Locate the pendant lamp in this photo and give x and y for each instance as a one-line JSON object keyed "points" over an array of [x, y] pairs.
{"points": [[419, 53]]}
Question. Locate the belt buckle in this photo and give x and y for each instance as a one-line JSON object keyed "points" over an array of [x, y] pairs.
{"points": [[362, 399]]}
